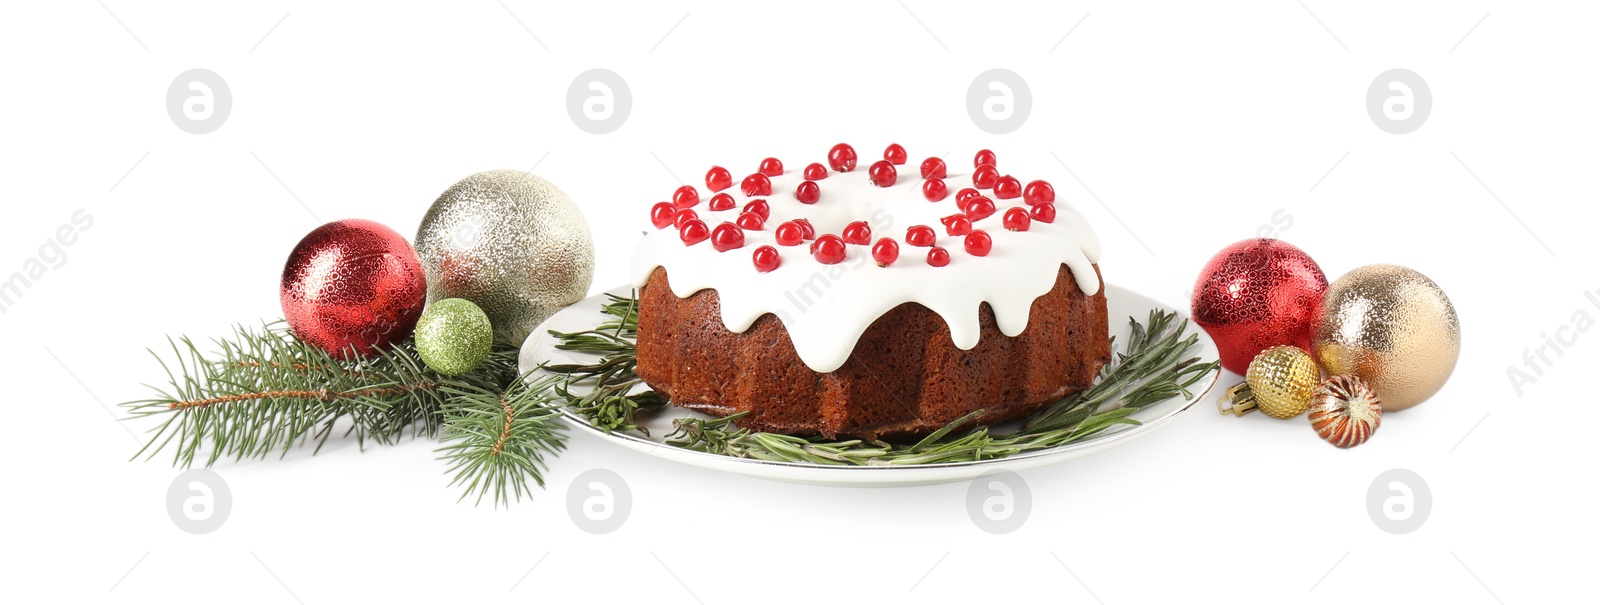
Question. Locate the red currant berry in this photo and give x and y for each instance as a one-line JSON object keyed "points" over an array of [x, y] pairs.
{"points": [[966, 195], [682, 215], [722, 201], [882, 173], [938, 257], [759, 207], [978, 243], [842, 158], [685, 197], [980, 208], [815, 172], [857, 233], [789, 233], [765, 258], [718, 178], [984, 158], [934, 189], [985, 177], [771, 167], [885, 251], [1008, 187], [756, 184], [750, 221], [727, 236], [895, 154], [829, 249], [808, 192], [1016, 219], [1044, 213], [921, 235], [933, 168], [693, 231], [806, 230], [957, 224], [1038, 192], [661, 214]]}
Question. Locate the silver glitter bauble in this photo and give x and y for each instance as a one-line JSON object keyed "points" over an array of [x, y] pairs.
{"points": [[510, 242]]}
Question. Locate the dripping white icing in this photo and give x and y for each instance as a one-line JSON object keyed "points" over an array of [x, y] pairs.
{"points": [[826, 308]]}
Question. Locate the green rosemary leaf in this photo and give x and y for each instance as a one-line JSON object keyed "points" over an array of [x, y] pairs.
{"points": [[1149, 369]]}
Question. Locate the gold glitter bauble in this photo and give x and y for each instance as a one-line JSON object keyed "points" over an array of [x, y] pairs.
{"points": [[510, 242], [1345, 411], [1393, 328], [1279, 382], [1282, 379]]}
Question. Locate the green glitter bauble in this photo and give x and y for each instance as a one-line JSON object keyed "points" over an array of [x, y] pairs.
{"points": [[454, 336]]}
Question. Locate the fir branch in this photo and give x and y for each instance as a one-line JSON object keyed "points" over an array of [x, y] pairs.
{"points": [[265, 391], [496, 438], [322, 395], [1151, 368]]}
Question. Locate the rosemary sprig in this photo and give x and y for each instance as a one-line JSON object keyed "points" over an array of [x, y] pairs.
{"points": [[610, 406], [1153, 367]]}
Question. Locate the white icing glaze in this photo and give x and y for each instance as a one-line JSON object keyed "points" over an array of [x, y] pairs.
{"points": [[826, 308]]}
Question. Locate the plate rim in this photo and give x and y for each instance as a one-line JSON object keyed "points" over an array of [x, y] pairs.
{"points": [[648, 445]]}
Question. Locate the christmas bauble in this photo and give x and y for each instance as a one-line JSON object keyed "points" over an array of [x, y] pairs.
{"points": [[1393, 328], [351, 287], [1256, 294], [1279, 382], [454, 336], [1282, 379], [510, 242], [1345, 411]]}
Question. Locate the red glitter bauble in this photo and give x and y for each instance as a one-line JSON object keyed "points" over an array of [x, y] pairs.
{"points": [[351, 287], [1256, 294]]}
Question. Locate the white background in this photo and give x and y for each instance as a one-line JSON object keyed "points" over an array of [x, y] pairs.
{"points": [[1192, 124]]}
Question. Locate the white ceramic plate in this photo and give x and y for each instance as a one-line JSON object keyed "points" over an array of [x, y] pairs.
{"points": [[1120, 302]]}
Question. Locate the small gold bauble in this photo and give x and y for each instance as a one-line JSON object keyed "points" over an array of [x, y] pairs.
{"points": [[1279, 382], [1393, 328], [1345, 411], [1282, 379]]}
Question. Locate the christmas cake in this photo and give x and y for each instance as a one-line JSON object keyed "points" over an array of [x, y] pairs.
{"points": [[881, 302]]}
